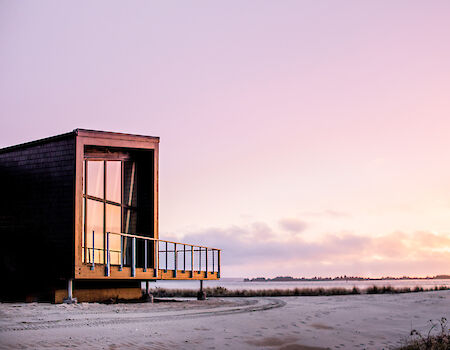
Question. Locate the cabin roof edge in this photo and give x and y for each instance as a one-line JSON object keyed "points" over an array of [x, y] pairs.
{"points": [[114, 135], [80, 132], [37, 142]]}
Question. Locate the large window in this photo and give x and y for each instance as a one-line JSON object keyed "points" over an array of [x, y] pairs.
{"points": [[109, 205]]}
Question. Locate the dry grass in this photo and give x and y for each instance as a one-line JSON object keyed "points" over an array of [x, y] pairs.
{"points": [[223, 292], [439, 340]]}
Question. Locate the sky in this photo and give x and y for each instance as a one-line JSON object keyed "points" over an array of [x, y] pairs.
{"points": [[305, 138]]}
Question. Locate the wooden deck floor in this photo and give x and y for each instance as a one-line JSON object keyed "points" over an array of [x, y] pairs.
{"points": [[84, 272]]}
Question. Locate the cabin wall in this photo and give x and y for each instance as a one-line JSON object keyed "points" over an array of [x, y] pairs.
{"points": [[37, 214]]}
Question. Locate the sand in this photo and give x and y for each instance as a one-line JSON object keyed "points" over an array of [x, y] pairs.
{"points": [[288, 323]]}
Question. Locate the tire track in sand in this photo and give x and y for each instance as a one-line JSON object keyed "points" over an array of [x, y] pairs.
{"points": [[261, 304]]}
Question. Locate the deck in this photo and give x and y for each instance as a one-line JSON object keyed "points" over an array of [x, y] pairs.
{"points": [[121, 256]]}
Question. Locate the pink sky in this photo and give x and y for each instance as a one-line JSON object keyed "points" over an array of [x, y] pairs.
{"points": [[304, 137]]}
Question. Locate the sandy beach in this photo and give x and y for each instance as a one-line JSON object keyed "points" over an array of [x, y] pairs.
{"points": [[335, 322]]}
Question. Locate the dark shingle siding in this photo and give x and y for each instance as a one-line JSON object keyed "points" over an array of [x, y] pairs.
{"points": [[37, 209]]}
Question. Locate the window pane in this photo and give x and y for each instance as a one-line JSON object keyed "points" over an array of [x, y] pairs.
{"points": [[95, 178], [113, 213], [113, 219], [129, 221], [94, 222], [113, 181], [129, 182], [84, 179]]}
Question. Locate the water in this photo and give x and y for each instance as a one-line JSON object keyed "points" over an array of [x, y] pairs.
{"points": [[238, 283]]}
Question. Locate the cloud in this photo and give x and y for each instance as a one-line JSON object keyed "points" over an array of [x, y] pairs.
{"points": [[293, 225], [256, 250]]}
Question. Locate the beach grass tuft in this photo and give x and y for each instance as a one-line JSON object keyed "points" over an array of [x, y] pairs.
{"points": [[224, 292], [437, 338]]}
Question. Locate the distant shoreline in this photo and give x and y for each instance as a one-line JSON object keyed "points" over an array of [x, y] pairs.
{"points": [[289, 292], [341, 279]]}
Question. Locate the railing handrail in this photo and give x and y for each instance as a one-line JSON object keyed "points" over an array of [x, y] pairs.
{"points": [[159, 240], [156, 261]]}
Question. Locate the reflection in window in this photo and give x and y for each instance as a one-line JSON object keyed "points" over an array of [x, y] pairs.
{"points": [[100, 216], [113, 213], [94, 222], [113, 181], [113, 219], [95, 178]]}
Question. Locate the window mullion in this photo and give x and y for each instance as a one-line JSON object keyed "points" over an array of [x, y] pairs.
{"points": [[85, 214], [122, 179], [104, 211]]}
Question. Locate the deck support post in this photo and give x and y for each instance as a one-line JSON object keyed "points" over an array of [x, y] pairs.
{"points": [[70, 299], [147, 296], [201, 295]]}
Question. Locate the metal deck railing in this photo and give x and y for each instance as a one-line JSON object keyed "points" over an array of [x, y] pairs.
{"points": [[128, 250]]}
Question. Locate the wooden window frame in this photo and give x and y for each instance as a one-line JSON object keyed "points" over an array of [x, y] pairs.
{"points": [[103, 200]]}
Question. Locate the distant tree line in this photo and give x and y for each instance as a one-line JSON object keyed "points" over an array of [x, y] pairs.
{"points": [[341, 278]]}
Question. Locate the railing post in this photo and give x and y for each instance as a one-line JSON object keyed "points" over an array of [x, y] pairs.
{"points": [[218, 263], [133, 257], [165, 270], [175, 260], [145, 255], [192, 261], [107, 257], [121, 253], [93, 250], [206, 262], [211, 267], [156, 246], [85, 247], [184, 258]]}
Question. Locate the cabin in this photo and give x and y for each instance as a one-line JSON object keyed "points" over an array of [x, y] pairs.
{"points": [[79, 219]]}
